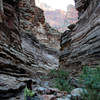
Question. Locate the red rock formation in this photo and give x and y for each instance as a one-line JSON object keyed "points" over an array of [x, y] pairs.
{"points": [[60, 19]]}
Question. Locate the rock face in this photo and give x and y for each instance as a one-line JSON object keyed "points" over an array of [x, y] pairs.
{"points": [[22, 55], [32, 20], [13, 62], [58, 18], [55, 17], [37, 39], [80, 45], [71, 15]]}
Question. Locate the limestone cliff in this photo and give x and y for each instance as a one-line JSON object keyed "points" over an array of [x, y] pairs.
{"points": [[22, 55], [80, 45]]}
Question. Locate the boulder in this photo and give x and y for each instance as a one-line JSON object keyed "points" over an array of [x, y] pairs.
{"points": [[78, 92]]}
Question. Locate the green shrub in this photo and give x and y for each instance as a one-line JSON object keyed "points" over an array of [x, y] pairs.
{"points": [[59, 73], [90, 78], [61, 79]]}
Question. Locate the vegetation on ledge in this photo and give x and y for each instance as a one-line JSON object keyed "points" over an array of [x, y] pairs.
{"points": [[89, 80]]}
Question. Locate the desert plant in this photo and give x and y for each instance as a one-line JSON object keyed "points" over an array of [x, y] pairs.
{"points": [[90, 78], [61, 79]]}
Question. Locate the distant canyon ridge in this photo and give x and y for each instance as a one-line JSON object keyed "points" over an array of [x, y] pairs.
{"points": [[57, 18]]}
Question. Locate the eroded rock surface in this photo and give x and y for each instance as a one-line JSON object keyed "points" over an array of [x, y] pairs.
{"points": [[33, 21], [80, 45], [22, 56], [38, 42]]}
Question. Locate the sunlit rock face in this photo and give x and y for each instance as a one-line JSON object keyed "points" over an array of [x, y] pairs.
{"points": [[57, 18], [60, 19], [22, 55], [80, 45], [71, 15]]}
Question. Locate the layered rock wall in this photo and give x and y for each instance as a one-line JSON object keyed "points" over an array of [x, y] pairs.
{"points": [[80, 45], [22, 56], [13, 62], [35, 36], [32, 20]]}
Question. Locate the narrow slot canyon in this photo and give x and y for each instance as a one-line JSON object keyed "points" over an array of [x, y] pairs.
{"points": [[54, 48]]}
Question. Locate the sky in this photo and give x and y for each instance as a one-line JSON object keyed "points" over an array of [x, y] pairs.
{"points": [[58, 4]]}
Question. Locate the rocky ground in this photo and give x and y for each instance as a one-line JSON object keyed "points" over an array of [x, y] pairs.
{"points": [[45, 91]]}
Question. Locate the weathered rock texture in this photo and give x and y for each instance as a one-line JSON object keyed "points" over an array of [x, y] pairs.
{"points": [[81, 44], [13, 62], [37, 25], [21, 54], [37, 39]]}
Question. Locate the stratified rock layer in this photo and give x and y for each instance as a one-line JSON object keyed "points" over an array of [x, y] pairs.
{"points": [[22, 56], [33, 21], [37, 39], [81, 44], [13, 62]]}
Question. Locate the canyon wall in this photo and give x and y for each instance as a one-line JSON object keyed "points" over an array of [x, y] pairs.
{"points": [[60, 19], [32, 20], [22, 56], [80, 45], [38, 38], [13, 62]]}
